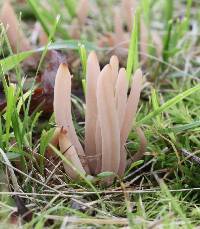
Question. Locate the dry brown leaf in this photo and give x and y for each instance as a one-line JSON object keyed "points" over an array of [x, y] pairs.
{"points": [[22, 210], [43, 96], [52, 62]]}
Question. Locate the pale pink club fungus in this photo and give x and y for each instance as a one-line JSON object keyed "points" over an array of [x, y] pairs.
{"points": [[109, 117]]}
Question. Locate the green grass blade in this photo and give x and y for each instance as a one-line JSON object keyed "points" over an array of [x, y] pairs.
{"points": [[83, 57], [26, 116], [9, 110], [186, 127], [36, 9], [12, 61], [17, 128], [175, 205], [44, 141], [87, 181], [132, 62], [146, 9], [167, 40], [71, 7], [169, 104], [155, 104], [168, 10]]}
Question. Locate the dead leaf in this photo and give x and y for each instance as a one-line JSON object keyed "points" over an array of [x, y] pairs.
{"points": [[43, 95], [22, 210]]}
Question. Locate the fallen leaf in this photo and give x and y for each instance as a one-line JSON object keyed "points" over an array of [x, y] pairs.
{"points": [[22, 210], [43, 95]]}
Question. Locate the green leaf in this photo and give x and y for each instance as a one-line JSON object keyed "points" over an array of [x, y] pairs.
{"points": [[106, 174], [22, 99], [13, 155], [9, 110], [71, 7], [12, 61], [167, 40], [84, 86], [44, 141], [168, 8], [189, 126], [146, 9], [155, 104], [17, 128], [39, 15], [169, 104], [132, 62], [83, 56], [133, 165], [46, 16]]}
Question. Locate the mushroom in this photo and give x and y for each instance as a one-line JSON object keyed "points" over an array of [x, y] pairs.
{"points": [[16, 36], [120, 39], [80, 20], [109, 118]]}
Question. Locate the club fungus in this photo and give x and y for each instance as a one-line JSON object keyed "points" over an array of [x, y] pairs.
{"points": [[109, 117], [79, 21], [120, 38], [16, 36]]}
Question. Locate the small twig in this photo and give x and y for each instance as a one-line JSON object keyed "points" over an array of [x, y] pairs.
{"points": [[160, 222], [31, 178], [75, 220], [139, 169], [190, 156], [11, 171], [52, 172], [70, 194]]}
